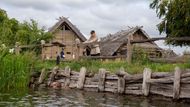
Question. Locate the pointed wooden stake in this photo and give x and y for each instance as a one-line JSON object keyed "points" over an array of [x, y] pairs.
{"points": [[102, 76], [146, 85], [176, 88], [81, 79]]}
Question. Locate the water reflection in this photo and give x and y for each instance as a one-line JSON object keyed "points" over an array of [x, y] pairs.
{"points": [[73, 98]]}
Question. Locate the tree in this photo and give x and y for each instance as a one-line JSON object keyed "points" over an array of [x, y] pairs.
{"points": [[30, 34], [5, 27], [175, 15], [26, 33]]}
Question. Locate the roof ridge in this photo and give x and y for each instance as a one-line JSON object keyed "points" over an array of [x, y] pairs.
{"points": [[119, 33], [63, 19]]}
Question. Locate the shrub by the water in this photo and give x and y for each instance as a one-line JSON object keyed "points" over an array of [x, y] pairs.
{"points": [[14, 70]]}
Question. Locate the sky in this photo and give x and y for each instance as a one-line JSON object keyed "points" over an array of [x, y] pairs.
{"points": [[103, 16]]}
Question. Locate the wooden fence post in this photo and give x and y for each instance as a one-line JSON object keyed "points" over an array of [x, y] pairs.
{"points": [[67, 74], [17, 48], [81, 78], [121, 81], [102, 76], [176, 87], [146, 85], [42, 49], [52, 75], [77, 45], [129, 50], [42, 76]]}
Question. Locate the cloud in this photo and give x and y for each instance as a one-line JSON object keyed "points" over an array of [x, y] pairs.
{"points": [[46, 5], [40, 4], [120, 2], [105, 16]]}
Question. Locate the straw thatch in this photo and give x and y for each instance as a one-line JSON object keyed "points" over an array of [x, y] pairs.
{"points": [[64, 20], [111, 43]]}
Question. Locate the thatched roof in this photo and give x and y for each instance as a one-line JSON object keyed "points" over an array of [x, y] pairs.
{"points": [[65, 20], [147, 45], [111, 43]]}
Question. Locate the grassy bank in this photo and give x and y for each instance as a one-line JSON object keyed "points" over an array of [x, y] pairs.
{"points": [[113, 66], [14, 70]]}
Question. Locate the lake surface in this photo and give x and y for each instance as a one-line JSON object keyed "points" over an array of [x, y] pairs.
{"points": [[76, 98]]}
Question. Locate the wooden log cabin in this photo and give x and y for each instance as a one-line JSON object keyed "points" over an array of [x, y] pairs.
{"points": [[116, 44], [66, 33]]}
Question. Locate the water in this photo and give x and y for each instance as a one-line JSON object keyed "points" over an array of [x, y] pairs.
{"points": [[76, 98]]}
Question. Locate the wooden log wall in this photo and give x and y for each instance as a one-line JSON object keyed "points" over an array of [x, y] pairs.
{"points": [[169, 84]]}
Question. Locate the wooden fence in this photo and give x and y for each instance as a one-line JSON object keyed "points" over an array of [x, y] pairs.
{"points": [[169, 84]]}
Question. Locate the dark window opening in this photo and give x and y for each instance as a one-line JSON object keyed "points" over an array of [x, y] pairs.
{"points": [[67, 28], [68, 52], [62, 27], [88, 52]]}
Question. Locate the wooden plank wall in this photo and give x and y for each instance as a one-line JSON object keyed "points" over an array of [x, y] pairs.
{"points": [[67, 37]]}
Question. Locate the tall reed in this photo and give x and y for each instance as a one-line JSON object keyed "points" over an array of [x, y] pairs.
{"points": [[14, 70]]}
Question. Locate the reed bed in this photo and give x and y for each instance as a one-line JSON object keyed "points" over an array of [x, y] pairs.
{"points": [[14, 70]]}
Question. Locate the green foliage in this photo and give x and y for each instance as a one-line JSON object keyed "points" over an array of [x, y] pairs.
{"points": [[14, 70], [29, 33], [175, 15], [26, 33], [112, 66], [139, 55]]}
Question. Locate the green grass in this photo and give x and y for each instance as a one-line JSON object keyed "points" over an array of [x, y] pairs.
{"points": [[14, 70], [114, 66]]}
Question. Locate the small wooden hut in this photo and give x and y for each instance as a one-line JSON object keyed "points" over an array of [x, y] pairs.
{"points": [[116, 44], [66, 33]]}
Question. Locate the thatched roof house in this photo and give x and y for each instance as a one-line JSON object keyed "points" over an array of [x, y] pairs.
{"points": [[116, 44], [64, 22], [66, 33]]}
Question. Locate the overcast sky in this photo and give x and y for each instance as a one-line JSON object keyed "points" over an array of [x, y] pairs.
{"points": [[104, 16]]}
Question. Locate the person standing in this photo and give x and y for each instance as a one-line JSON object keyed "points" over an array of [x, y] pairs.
{"points": [[95, 49], [62, 54], [57, 59]]}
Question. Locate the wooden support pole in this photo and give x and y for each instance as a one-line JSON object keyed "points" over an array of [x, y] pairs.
{"points": [[77, 53], [42, 54], [67, 74], [102, 76], [81, 78], [176, 87], [121, 80], [187, 38], [129, 50], [121, 85], [52, 75], [42, 76], [42, 49], [146, 85], [17, 48]]}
